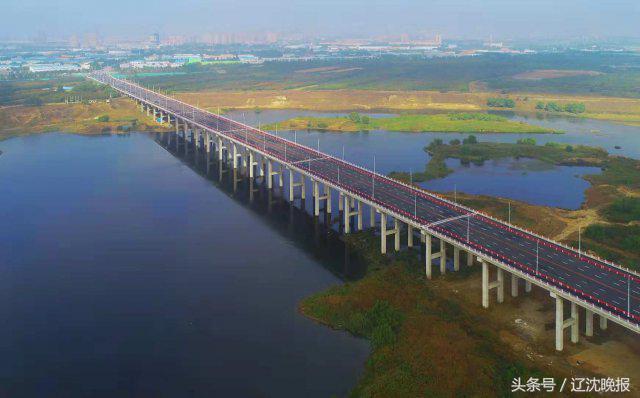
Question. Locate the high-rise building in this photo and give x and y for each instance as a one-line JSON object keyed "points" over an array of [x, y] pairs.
{"points": [[154, 39]]}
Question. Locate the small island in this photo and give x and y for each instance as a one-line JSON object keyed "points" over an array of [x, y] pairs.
{"points": [[470, 150], [445, 122]]}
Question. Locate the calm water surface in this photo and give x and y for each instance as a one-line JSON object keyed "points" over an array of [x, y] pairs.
{"points": [[396, 151], [123, 272]]}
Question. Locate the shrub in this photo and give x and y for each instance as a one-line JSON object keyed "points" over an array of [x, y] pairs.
{"points": [[103, 118], [501, 103], [382, 335], [470, 140], [364, 119], [527, 141], [454, 142], [574, 107], [354, 117]]}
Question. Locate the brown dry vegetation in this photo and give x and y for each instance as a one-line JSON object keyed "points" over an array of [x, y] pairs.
{"points": [[624, 110], [77, 118], [540, 74]]}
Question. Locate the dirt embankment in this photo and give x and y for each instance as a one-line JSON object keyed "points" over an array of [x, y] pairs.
{"points": [[117, 115]]}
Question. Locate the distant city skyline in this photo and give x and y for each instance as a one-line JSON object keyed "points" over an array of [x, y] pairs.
{"points": [[455, 19]]}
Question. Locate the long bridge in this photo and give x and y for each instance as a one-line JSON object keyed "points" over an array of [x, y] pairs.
{"points": [[584, 283]]}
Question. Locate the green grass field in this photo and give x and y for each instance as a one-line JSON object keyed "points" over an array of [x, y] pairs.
{"points": [[449, 123]]}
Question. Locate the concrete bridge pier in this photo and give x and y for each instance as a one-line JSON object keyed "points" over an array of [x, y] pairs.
{"points": [[527, 286], [469, 259], [456, 258], [562, 324], [588, 323], [187, 130], [498, 284], [372, 216], [207, 144], [220, 148], [384, 233], [235, 156], [443, 256], [603, 323], [340, 201], [271, 173], [409, 235], [252, 163], [293, 184], [514, 285], [317, 197], [350, 210]]}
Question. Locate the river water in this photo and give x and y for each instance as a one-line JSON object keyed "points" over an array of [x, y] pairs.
{"points": [[124, 272], [521, 179]]}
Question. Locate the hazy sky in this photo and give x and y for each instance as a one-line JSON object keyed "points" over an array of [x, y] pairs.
{"points": [[452, 18]]}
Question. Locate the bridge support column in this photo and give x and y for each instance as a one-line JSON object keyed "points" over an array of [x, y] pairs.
{"points": [[514, 285], [252, 163], [588, 323], [235, 156], [316, 197], [327, 196], [293, 184], [498, 284], [221, 148], [349, 211], [456, 258], [409, 235], [372, 216], [428, 254], [208, 143], [562, 324], [269, 174], [340, 201], [185, 126], [443, 256], [469, 259], [385, 233], [603, 323], [527, 286]]}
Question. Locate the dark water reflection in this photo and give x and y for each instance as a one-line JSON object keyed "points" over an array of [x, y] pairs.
{"points": [[125, 273]]}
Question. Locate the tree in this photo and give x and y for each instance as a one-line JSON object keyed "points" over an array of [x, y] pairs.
{"points": [[552, 107], [540, 105], [574, 107], [364, 119], [527, 141], [470, 140], [454, 142], [501, 102]]}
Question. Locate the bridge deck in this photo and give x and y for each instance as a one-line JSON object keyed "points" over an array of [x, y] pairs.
{"points": [[606, 286]]}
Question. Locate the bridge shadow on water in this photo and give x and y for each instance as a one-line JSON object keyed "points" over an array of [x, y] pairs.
{"points": [[319, 236]]}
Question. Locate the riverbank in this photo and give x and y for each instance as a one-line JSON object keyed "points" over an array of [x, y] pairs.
{"points": [[119, 115], [619, 110], [433, 338], [447, 123]]}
